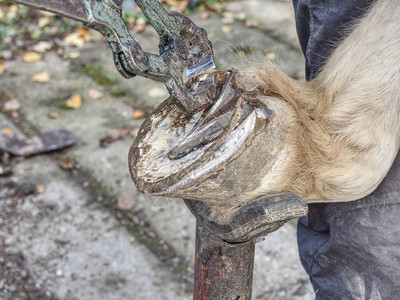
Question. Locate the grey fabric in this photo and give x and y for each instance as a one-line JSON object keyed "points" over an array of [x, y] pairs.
{"points": [[322, 24], [350, 250]]}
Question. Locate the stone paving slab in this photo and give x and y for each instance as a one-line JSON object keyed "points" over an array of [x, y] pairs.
{"points": [[274, 17], [278, 271], [73, 248]]}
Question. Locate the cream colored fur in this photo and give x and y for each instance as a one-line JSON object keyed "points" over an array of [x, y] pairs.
{"points": [[349, 128]]}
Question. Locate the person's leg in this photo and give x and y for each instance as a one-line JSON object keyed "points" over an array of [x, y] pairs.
{"points": [[350, 250], [322, 24]]}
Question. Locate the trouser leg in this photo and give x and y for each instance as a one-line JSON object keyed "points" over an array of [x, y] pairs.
{"points": [[322, 24], [350, 250]]}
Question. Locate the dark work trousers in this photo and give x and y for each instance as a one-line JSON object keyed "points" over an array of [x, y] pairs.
{"points": [[350, 250]]}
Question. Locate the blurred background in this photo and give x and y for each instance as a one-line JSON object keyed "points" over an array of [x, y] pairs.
{"points": [[72, 224]]}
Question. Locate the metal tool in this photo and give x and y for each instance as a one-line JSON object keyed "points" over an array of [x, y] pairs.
{"points": [[183, 45]]}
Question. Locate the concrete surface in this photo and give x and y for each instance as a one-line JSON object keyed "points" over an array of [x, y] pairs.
{"points": [[102, 246], [274, 17], [74, 248]]}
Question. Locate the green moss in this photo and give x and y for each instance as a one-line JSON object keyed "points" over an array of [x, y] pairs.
{"points": [[183, 268], [96, 73], [118, 93]]}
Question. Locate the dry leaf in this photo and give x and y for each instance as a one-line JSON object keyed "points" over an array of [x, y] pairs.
{"points": [[42, 22], [13, 8], [42, 46], [157, 92], [7, 131], [40, 189], [31, 57], [2, 69], [74, 40], [114, 135], [241, 16], [6, 54], [69, 165], [48, 14], [12, 105], [138, 28], [137, 114], [84, 33], [180, 8], [95, 94], [41, 77], [141, 21], [73, 55], [252, 24], [78, 38], [205, 15], [217, 5], [12, 12], [125, 203], [54, 115], [228, 17], [74, 102], [14, 115], [226, 29]]}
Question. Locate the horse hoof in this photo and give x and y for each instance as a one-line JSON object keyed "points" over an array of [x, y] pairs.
{"points": [[227, 154]]}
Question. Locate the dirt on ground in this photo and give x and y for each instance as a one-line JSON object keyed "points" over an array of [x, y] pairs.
{"points": [[16, 281]]}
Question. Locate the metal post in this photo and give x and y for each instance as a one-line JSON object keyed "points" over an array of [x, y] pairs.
{"points": [[222, 270], [224, 258]]}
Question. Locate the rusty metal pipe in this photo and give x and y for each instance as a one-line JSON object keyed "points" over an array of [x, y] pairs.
{"points": [[222, 270], [224, 257]]}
